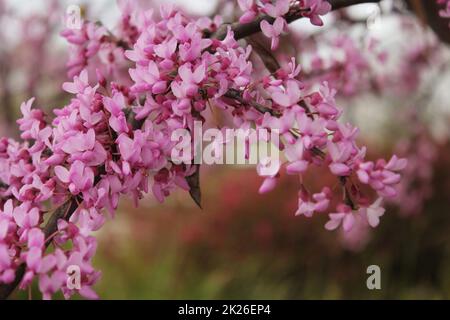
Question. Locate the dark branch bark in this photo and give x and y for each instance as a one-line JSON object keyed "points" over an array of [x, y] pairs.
{"points": [[237, 95], [265, 54], [7, 289], [194, 185], [428, 13]]}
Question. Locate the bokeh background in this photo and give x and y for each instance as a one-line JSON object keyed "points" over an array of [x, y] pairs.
{"points": [[242, 245]]}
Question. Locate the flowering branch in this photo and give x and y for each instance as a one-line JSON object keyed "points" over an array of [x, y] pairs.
{"points": [[237, 95], [244, 30], [63, 212], [114, 139]]}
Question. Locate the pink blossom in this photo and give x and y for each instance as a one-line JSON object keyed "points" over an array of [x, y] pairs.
{"points": [[318, 203], [79, 177], [312, 130], [117, 121], [113, 138], [79, 84], [445, 12], [373, 212], [382, 176], [49, 285], [340, 153], [295, 155], [344, 216], [290, 97], [273, 31], [268, 185], [190, 80], [148, 79], [279, 9], [317, 8], [32, 121], [7, 272], [25, 216]]}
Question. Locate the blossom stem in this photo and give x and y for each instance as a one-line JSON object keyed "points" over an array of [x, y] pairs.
{"points": [[237, 95]]}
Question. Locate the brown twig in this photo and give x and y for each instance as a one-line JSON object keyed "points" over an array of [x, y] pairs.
{"points": [[237, 95]]}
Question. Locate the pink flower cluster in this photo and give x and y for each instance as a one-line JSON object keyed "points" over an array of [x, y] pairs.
{"points": [[313, 136], [91, 153], [86, 44], [178, 70], [416, 186], [278, 11], [114, 139], [348, 69], [94, 45]]}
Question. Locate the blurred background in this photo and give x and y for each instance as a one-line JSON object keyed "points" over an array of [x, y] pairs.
{"points": [[246, 246]]}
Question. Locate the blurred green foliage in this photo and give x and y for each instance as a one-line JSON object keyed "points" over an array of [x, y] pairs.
{"points": [[247, 246]]}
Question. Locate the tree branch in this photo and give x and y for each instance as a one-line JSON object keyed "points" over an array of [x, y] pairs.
{"points": [[237, 95], [245, 30], [240, 31]]}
